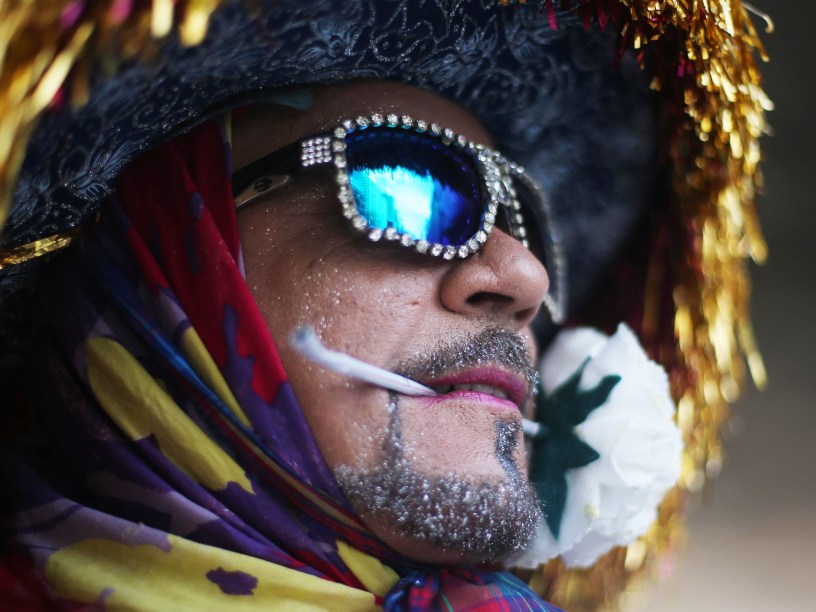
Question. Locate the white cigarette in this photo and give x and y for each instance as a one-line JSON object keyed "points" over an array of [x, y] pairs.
{"points": [[530, 428], [307, 343]]}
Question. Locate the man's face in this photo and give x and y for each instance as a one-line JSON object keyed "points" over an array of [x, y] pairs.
{"points": [[439, 479]]}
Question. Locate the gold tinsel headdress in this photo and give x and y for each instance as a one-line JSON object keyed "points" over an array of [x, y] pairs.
{"points": [[692, 299]]}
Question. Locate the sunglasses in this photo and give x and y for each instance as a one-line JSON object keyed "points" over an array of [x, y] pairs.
{"points": [[426, 188]]}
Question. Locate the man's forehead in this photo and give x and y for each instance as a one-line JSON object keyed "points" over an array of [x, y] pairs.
{"points": [[268, 127]]}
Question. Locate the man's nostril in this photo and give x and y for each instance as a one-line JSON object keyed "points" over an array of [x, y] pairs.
{"points": [[482, 297]]}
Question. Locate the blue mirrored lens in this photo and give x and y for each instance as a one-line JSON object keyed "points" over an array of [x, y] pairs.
{"points": [[415, 184]]}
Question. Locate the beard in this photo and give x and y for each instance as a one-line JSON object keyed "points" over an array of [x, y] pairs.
{"points": [[484, 519]]}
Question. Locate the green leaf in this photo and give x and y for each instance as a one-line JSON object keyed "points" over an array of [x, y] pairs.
{"points": [[557, 448]]}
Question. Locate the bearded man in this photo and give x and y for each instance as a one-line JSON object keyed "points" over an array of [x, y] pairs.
{"points": [[348, 170]]}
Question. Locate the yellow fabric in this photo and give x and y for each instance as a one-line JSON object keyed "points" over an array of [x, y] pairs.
{"points": [[174, 577], [141, 407], [376, 577], [201, 361]]}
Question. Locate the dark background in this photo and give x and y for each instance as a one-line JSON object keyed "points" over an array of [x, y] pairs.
{"points": [[752, 540]]}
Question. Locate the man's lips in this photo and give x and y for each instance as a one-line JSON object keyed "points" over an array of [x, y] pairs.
{"points": [[493, 384]]}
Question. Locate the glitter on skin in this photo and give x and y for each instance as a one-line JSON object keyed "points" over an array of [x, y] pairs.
{"points": [[487, 520], [493, 346]]}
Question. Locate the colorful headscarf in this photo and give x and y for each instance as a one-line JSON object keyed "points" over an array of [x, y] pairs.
{"points": [[168, 465]]}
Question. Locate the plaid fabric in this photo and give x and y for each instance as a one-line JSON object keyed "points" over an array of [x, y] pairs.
{"points": [[463, 590]]}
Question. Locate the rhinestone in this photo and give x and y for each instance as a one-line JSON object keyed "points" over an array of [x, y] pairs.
{"points": [[461, 141], [435, 129], [526, 243], [522, 231], [436, 250], [407, 121], [421, 125], [481, 237], [464, 251], [518, 219], [342, 179], [339, 161], [422, 246], [473, 244], [392, 119], [348, 124], [349, 212], [358, 223], [490, 218], [390, 233], [448, 133], [377, 119], [375, 234], [340, 133], [406, 240], [326, 140], [344, 197], [488, 226], [363, 122], [450, 253]]}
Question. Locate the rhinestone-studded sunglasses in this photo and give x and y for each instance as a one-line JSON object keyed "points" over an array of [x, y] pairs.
{"points": [[424, 187]]}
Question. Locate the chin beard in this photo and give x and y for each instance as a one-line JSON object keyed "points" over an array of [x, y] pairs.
{"points": [[485, 520]]}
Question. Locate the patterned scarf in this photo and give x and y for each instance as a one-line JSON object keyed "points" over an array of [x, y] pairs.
{"points": [[165, 463]]}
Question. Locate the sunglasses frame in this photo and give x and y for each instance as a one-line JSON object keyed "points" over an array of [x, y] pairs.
{"points": [[327, 151]]}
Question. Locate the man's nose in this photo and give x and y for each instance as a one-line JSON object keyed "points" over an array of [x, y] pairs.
{"points": [[503, 279]]}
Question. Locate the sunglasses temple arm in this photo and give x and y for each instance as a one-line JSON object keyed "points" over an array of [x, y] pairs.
{"points": [[306, 342]]}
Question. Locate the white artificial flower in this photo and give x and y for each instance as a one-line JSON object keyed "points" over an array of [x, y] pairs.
{"points": [[612, 500]]}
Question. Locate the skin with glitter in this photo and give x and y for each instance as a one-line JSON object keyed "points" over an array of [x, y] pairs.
{"points": [[482, 520], [462, 325]]}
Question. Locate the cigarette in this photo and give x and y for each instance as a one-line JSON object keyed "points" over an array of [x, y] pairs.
{"points": [[305, 340], [307, 343]]}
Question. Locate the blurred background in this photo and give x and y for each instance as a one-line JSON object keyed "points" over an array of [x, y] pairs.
{"points": [[752, 538]]}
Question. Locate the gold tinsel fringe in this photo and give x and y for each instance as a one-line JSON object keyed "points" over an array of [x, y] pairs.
{"points": [[48, 49], [714, 152], [707, 72]]}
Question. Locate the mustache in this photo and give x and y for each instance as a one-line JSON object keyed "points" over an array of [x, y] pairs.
{"points": [[494, 345]]}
